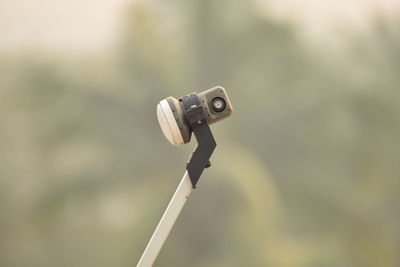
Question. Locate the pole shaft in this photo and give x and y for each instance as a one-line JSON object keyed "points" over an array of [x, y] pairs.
{"points": [[166, 223]]}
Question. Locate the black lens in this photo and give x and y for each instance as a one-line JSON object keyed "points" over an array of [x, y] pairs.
{"points": [[218, 104]]}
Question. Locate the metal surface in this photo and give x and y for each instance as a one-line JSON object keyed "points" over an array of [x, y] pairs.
{"points": [[166, 223]]}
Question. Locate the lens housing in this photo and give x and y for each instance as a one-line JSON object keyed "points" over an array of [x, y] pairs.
{"points": [[171, 113]]}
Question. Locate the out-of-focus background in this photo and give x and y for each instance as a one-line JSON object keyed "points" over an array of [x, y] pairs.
{"points": [[307, 169]]}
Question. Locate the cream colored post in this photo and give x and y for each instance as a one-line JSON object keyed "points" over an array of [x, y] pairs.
{"points": [[166, 223]]}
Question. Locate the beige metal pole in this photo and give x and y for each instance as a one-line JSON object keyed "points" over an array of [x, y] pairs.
{"points": [[166, 223]]}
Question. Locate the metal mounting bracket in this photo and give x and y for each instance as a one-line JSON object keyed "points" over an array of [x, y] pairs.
{"points": [[196, 118]]}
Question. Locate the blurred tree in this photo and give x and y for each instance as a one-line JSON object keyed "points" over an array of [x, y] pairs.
{"points": [[85, 170]]}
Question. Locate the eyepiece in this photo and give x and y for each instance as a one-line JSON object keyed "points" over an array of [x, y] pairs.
{"points": [[218, 104]]}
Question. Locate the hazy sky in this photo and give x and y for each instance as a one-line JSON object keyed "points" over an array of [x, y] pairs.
{"points": [[92, 24]]}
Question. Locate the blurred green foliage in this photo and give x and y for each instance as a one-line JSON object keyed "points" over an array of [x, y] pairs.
{"points": [[306, 174]]}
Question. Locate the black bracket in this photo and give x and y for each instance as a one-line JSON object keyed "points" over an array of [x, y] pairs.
{"points": [[197, 121]]}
